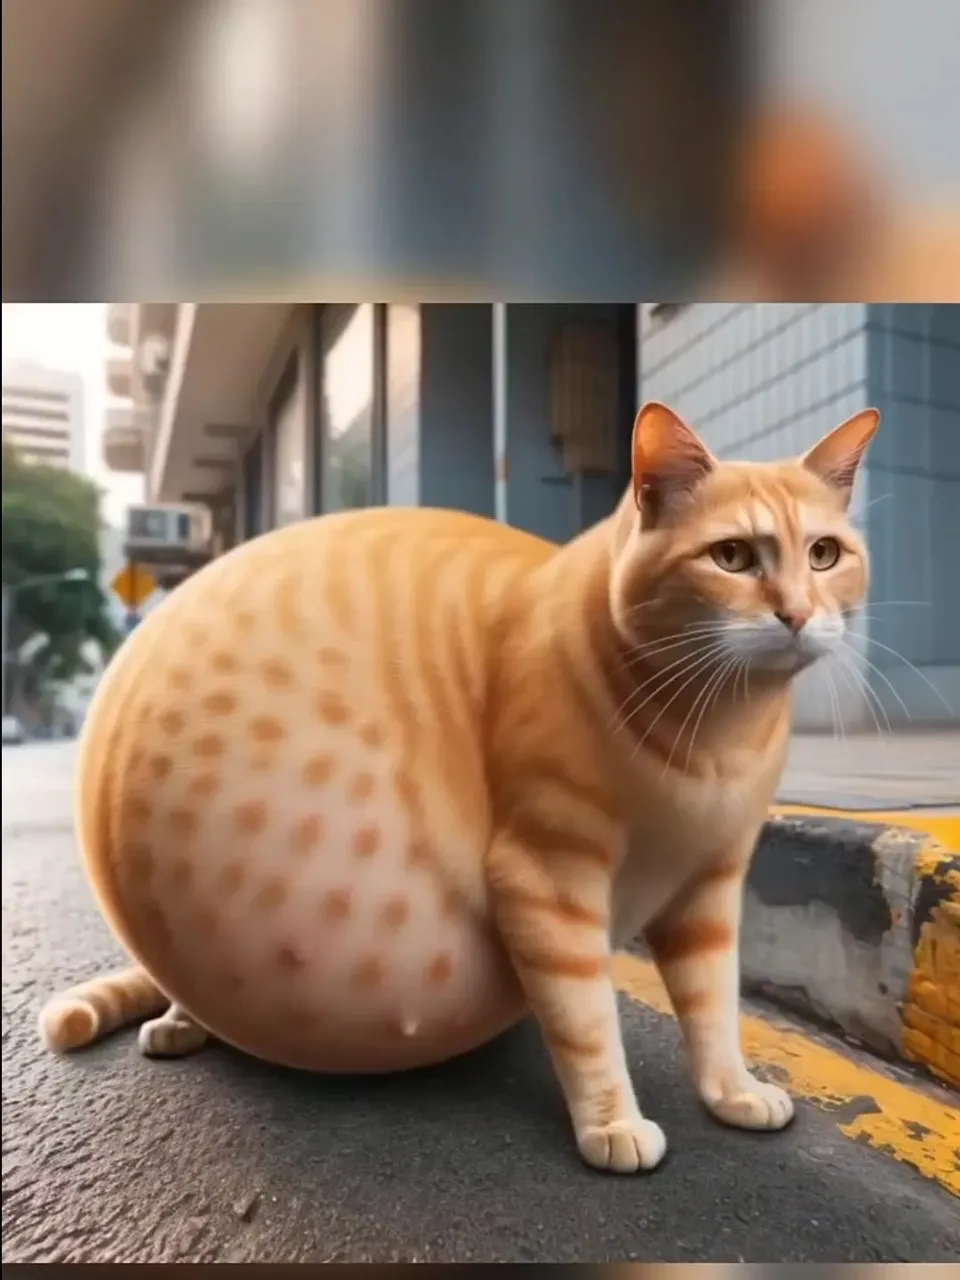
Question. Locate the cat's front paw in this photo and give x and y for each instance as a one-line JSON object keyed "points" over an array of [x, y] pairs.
{"points": [[748, 1103], [623, 1146]]}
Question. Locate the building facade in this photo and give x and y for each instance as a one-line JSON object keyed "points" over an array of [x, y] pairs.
{"points": [[43, 414], [271, 413]]}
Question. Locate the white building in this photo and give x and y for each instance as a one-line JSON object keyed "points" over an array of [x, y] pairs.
{"points": [[43, 414]]}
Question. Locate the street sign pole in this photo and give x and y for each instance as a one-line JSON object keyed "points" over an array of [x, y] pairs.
{"points": [[133, 585], [5, 636]]}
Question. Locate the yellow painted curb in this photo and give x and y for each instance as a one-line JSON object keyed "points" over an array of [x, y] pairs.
{"points": [[931, 1010], [942, 827], [908, 1124]]}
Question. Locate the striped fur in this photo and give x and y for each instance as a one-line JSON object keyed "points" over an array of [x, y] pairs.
{"points": [[94, 1009], [364, 791]]}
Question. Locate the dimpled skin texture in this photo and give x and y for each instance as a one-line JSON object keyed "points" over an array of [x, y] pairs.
{"points": [[281, 796]]}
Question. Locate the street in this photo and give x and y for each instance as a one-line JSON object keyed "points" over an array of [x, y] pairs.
{"points": [[108, 1157]]}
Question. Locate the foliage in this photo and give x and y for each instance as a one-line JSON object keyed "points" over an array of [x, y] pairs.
{"points": [[51, 525]]}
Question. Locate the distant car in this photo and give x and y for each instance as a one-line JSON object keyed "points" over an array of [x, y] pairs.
{"points": [[13, 732]]}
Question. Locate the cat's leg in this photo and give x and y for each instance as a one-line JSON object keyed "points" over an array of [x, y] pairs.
{"points": [[552, 912], [695, 943], [173, 1035]]}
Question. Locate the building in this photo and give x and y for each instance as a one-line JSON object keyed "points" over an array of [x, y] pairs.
{"points": [[43, 414], [270, 413]]}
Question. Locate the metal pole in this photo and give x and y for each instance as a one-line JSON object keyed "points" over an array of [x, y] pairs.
{"points": [[500, 411], [7, 597]]}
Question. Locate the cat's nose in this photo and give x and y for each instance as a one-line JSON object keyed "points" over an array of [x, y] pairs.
{"points": [[793, 619]]}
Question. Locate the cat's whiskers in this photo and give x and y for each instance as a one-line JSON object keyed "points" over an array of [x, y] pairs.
{"points": [[704, 661], [655, 648], [706, 652], [861, 686], [700, 642], [661, 679], [702, 696], [709, 694], [689, 630], [836, 714], [878, 671], [870, 604], [673, 637]]}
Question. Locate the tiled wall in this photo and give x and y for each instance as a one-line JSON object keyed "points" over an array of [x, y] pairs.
{"points": [[758, 381], [914, 514]]}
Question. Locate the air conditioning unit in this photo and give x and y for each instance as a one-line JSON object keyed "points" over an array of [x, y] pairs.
{"points": [[167, 528], [153, 359]]}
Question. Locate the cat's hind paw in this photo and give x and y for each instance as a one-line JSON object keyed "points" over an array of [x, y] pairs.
{"points": [[171, 1037], [623, 1146], [751, 1104]]}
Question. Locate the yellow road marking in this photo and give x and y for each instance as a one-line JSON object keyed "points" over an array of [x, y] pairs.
{"points": [[910, 1125], [943, 827]]}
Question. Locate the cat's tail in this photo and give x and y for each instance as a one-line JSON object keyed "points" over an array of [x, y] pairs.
{"points": [[93, 1009]]}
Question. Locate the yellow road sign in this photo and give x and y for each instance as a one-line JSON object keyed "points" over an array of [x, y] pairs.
{"points": [[133, 584]]}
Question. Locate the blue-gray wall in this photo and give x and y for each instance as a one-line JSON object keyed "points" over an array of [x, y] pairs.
{"points": [[439, 406], [456, 407], [439, 414], [541, 497], [913, 520]]}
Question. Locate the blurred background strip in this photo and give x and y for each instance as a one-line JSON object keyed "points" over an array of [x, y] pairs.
{"points": [[445, 150]]}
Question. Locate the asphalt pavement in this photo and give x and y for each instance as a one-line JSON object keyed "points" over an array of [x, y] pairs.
{"points": [[108, 1157]]}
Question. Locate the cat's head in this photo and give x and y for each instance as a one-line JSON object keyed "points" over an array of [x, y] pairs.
{"points": [[758, 560]]}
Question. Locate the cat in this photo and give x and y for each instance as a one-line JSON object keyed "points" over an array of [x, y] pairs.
{"points": [[815, 219], [364, 791]]}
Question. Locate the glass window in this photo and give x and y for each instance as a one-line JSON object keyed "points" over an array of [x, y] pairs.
{"points": [[290, 469], [348, 389], [403, 404]]}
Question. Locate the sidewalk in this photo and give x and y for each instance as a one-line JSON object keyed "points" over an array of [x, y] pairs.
{"points": [[902, 770]]}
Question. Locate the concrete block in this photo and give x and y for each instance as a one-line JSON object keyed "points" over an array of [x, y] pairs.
{"points": [[857, 925]]}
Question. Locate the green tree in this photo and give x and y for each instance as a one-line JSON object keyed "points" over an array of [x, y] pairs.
{"points": [[51, 525]]}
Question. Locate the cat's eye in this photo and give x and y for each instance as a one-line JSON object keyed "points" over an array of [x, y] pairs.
{"points": [[734, 555], [824, 554]]}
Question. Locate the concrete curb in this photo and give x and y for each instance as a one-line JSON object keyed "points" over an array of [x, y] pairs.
{"points": [[857, 924]]}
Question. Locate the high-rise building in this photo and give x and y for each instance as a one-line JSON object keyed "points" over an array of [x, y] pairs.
{"points": [[43, 414]]}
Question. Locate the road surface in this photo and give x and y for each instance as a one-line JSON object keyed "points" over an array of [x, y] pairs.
{"points": [[110, 1158]]}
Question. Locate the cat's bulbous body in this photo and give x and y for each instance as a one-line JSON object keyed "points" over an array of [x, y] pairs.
{"points": [[362, 792], [285, 801], [282, 797]]}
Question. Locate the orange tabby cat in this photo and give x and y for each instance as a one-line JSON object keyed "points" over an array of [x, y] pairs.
{"points": [[366, 789]]}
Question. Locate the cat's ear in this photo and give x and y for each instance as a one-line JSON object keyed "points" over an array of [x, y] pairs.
{"points": [[837, 456], [669, 461]]}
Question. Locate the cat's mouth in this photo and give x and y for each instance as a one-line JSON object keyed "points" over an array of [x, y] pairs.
{"points": [[780, 650], [791, 658]]}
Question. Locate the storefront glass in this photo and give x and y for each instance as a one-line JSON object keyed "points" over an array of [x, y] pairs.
{"points": [[348, 391], [290, 471]]}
